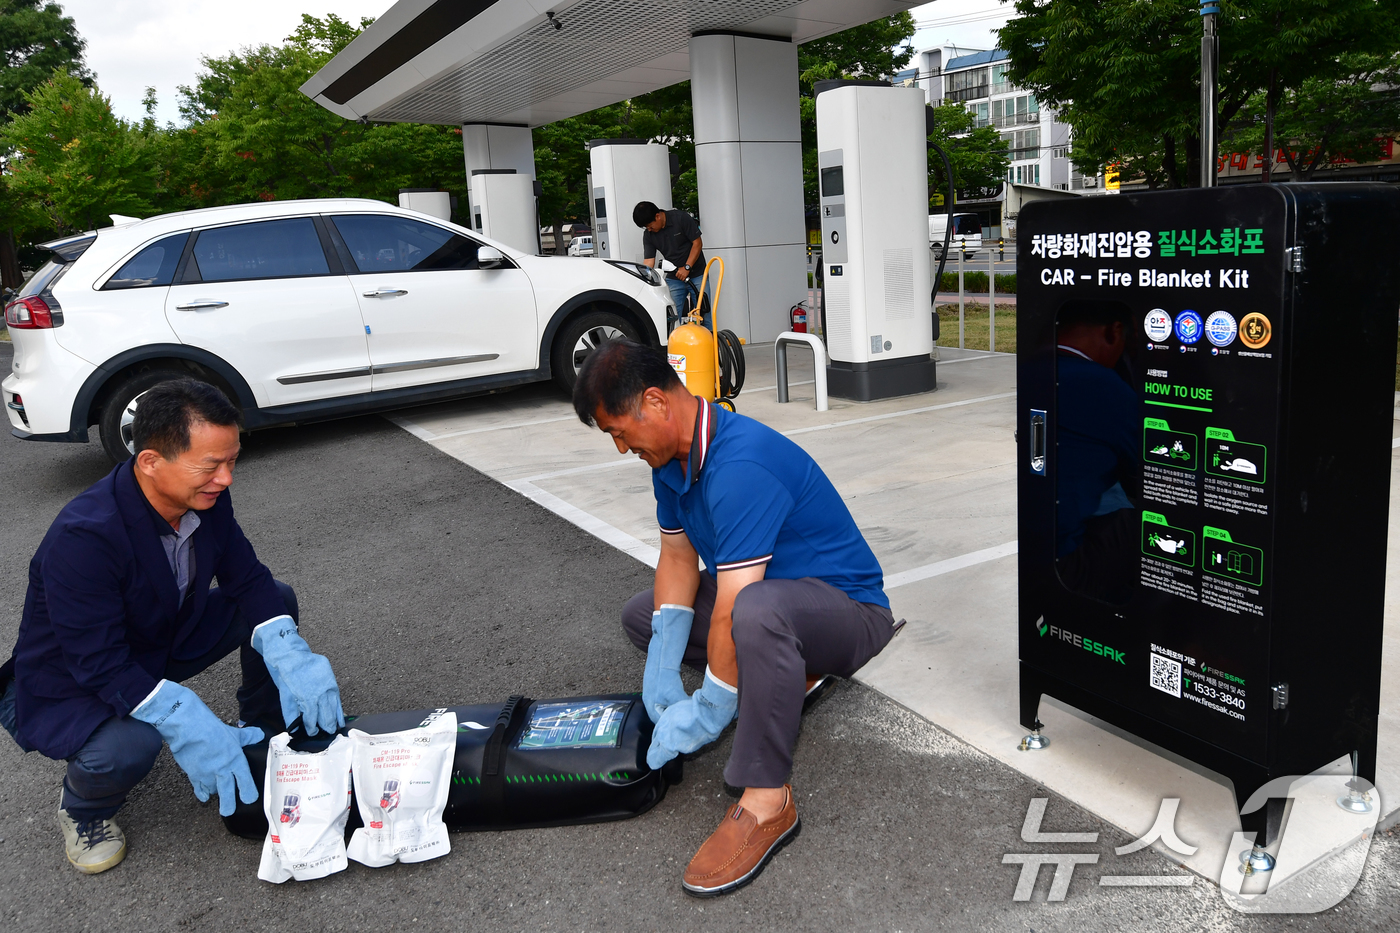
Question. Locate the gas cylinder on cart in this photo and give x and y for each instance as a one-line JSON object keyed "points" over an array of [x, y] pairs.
{"points": [[691, 352]]}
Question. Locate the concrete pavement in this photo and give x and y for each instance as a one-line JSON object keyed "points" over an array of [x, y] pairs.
{"points": [[425, 580]]}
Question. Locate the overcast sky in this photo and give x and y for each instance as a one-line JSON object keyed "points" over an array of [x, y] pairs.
{"points": [[960, 22], [134, 44]]}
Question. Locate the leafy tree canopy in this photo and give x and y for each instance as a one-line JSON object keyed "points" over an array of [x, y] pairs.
{"points": [[1125, 74], [1347, 117], [75, 162], [35, 39]]}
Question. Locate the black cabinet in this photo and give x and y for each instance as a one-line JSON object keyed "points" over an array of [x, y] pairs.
{"points": [[1205, 395]]}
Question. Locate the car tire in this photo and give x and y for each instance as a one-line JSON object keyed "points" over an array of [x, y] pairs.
{"points": [[114, 421], [580, 337]]}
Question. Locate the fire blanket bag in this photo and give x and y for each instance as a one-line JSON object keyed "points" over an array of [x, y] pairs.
{"points": [[306, 800], [523, 763], [401, 783]]}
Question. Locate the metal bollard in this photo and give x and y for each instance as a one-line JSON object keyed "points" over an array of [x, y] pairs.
{"points": [[961, 345], [991, 303]]}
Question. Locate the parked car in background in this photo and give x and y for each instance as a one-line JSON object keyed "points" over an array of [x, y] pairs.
{"points": [[967, 234], [302, 311], [581, 246]]}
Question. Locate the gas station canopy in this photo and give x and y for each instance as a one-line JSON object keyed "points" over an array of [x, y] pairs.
{"points": [[504, 61]]}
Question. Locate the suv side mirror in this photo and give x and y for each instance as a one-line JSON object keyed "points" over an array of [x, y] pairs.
{"points": [[488, 257]]}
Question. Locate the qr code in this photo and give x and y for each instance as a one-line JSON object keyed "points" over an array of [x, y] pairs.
{"points": [[1166, 675]]}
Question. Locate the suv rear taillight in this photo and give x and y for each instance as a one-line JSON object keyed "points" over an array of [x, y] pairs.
{"points": [[33, 314]]}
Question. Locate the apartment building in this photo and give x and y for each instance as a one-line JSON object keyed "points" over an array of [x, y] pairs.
{"points": [[977, 78]]}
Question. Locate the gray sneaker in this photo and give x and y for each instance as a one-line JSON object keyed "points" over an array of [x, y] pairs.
{"points": [[94, 846]]}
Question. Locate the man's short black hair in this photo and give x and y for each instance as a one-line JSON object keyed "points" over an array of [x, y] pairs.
{"points": [[167, 411], [1082, 311], [616, 374], [644, 213]]}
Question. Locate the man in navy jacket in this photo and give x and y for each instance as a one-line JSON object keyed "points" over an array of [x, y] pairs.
{"points": [[120, 610]]}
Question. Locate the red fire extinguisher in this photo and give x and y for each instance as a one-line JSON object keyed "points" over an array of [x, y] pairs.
{"points": [[799, 319]]}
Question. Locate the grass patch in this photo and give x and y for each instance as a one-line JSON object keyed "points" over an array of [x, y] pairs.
{"points": [[5, 336], [977, 325]]}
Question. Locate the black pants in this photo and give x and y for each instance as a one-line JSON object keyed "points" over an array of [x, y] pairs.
{"points": [[121, 751], [783, 631]]}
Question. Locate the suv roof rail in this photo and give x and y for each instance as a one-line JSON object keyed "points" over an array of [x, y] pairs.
{"points": [[70, 248]]}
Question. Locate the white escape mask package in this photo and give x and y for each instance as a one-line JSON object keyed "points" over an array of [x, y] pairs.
{"points": [[306, 797], [401, 783]]}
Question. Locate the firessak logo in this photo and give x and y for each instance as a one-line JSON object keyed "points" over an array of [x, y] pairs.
{"points": [[1088, 644]]}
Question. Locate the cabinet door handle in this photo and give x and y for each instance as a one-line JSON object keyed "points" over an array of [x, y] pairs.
{"points": [[1038, 441], [202, 306]]}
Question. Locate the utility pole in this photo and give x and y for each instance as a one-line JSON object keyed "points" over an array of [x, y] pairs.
{"points": [[1210, 75]]}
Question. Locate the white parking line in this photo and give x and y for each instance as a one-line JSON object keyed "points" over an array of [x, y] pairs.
{"points": [[948, 566], [423, 434], [426, 435], [589, 523], [1395, 443], [620, 461], [969, 359], [898, 414], [650, 555], [771, 388]]}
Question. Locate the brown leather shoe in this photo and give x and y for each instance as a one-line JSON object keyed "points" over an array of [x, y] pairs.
{"points": [[737, 851]]}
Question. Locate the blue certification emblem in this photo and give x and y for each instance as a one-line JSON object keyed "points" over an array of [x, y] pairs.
{"points": [[1188, 327]]}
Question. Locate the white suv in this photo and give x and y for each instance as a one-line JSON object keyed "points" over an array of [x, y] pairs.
{"points": [[303, 311]]}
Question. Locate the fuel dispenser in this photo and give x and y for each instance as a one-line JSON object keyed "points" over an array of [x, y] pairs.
{"points": [[503, 207], [872, 159], [1203, 501], [624, 172]]}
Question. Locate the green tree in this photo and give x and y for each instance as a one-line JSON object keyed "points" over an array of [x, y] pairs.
{"points": [[1327, 119], [74, 162], [35, 40], [261, 138], [978, 155], [1125, 74]]}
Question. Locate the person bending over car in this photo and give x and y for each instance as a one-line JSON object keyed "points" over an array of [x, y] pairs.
{"points": [[791, 591], [120, 610]]}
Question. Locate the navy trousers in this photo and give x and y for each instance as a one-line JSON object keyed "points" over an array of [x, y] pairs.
{"points": [[121, 751]]}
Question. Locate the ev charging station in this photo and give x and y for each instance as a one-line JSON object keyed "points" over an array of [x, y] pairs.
{"points": [[1226, 602], [624, 172], [503, 207], [873, 164], [429, 201]]}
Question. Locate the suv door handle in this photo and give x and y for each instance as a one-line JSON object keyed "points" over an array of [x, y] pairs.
{"points": [[385, 292], [202, 306]]}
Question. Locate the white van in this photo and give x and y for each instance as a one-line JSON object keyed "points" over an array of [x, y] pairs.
{"points": [[967, 233], [581, 246]]}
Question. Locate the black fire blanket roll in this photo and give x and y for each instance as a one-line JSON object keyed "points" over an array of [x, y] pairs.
{"points": [[527, 763]]}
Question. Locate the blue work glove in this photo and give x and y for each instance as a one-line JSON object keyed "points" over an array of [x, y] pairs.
{"points": [[210, 752], [695, 721], [305, 683], [661, 680]]}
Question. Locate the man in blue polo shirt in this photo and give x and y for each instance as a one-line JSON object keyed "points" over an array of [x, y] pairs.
{"points": [[790, 590]]}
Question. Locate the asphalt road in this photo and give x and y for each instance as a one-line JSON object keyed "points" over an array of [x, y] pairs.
{"points": [[427, 583]]}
